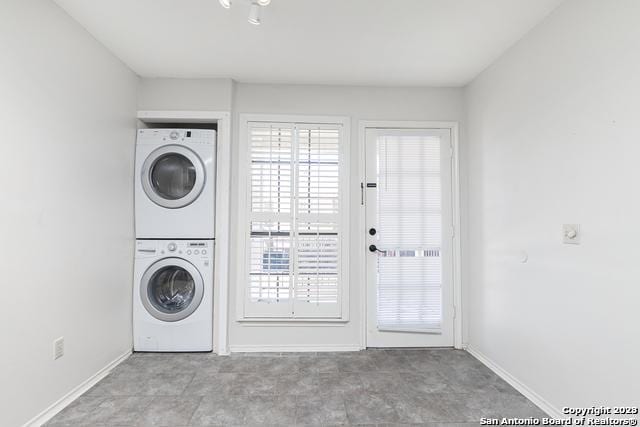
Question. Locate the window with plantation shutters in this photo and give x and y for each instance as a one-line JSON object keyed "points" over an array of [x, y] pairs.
{"points": [[294, 227]]}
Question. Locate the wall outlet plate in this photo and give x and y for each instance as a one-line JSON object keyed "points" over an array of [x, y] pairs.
{"points": [[571, 234], [58, 348]]}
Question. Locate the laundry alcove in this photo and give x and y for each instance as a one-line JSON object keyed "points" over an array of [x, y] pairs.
{"points": [[219, 121]]}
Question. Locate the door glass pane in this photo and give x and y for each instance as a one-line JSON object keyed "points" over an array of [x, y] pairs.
{"points": [[173, 176], [171, 289], [409, 291]]}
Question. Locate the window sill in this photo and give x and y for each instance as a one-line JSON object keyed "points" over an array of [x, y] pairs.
{"points": [[435, 331], [279, 321]]}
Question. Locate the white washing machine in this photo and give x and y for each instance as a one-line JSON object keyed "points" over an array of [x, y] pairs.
{"points": [[173, 295], [175, 184]]}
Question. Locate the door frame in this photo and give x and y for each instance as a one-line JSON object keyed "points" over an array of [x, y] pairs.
{"points": [[363, 125]]}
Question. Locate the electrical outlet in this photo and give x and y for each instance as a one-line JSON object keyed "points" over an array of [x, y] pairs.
{"points": [[58, 348]]}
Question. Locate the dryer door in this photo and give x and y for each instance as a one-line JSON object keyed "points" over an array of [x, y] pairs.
{"points": [[171, 289], [173, 176]]}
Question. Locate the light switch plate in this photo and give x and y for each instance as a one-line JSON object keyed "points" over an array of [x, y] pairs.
{"points": [[571, 234]]}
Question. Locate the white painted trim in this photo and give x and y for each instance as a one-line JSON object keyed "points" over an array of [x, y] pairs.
{"points": [[296, 118], [223, 208], [406, 124], [345, 218], [363, 125], [243, 203], [291, 348], [362, 231], [292, 323], [458, 332], [223, 233], [82, 388], [541, 402], [176, 116]]}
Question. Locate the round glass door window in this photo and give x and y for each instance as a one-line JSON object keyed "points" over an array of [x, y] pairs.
{"points": [[171, 289], [173, 176]]}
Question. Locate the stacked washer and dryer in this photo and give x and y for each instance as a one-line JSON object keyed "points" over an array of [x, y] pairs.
{"points": [[175, 235]]}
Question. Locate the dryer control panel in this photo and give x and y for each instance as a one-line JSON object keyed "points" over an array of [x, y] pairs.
{"points": [[176, 136]]}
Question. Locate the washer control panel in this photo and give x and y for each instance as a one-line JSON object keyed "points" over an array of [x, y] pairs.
{"points": [[198, 248]]}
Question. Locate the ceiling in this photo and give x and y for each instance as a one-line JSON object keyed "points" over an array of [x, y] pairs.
{"points": [[357, 42]]}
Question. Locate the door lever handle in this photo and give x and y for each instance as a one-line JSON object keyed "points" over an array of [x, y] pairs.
{"points": [[374, 248]]}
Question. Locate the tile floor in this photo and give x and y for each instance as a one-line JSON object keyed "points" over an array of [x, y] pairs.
{"points": [[373, 387]]}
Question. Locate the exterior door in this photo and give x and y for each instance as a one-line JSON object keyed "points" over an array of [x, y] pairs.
{"points": [[173, 176], [409, 222], [171, 289]]}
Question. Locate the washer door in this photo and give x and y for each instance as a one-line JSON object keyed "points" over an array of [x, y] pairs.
{"points": [[171, 289], [173, 176]]}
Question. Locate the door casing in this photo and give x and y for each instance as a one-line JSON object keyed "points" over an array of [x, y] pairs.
{"points": [[363, 125]]}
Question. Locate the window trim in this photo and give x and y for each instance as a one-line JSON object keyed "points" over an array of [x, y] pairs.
{"points": [[243, 214]]}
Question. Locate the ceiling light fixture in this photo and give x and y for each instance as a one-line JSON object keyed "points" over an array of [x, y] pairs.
{"points": [[254, 9], [254, 13]]}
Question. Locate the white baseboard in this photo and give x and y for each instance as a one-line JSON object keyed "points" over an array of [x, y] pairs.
{"points": [[63, 402], [291, 348], [541, 402]]}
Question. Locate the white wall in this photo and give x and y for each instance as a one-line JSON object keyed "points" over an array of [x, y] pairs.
{"points": [[185, 94], [358, 103], [67, 120], [554, 137]]}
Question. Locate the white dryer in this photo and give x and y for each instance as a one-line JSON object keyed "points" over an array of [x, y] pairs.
{"points": [[173, 295], [175, 184]]}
